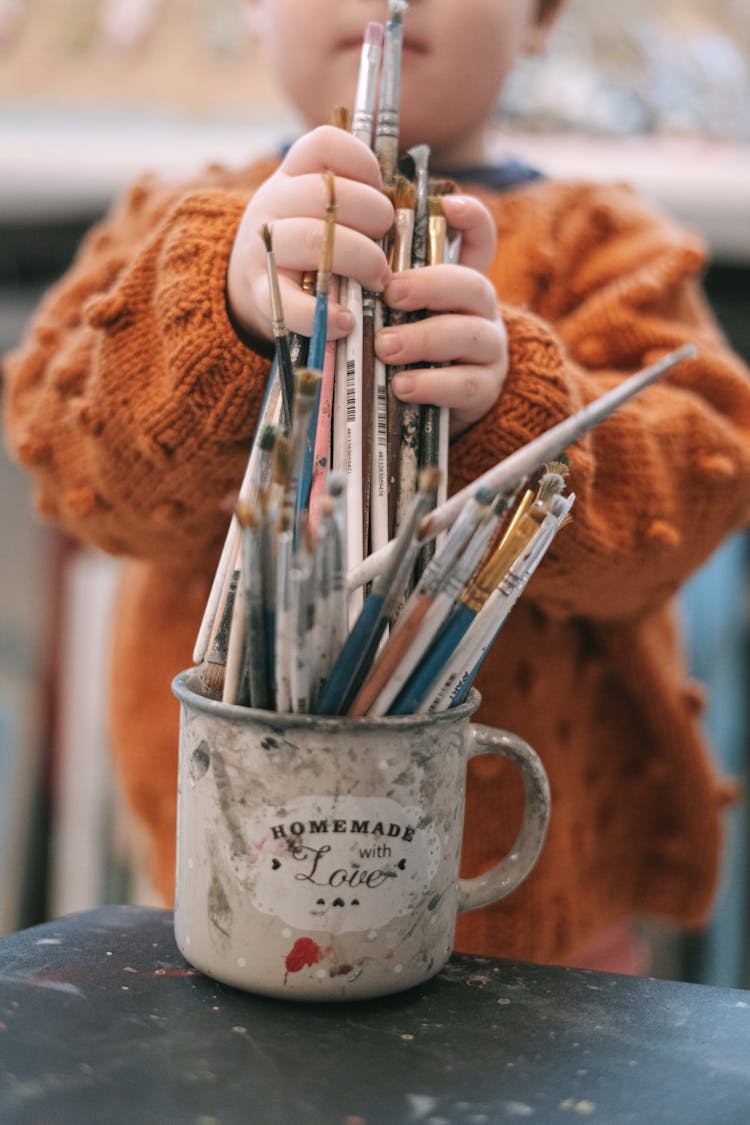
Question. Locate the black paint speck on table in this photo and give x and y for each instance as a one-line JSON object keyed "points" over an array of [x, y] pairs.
{"points": [[101, 1020]]}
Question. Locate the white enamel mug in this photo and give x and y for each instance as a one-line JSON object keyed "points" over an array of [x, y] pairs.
{"points": [[318, 858]]}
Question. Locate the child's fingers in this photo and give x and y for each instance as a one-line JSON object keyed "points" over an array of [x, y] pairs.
{"points": [[472, 352], [329, 149], [358, 206], [468, 390], [299, 311], [297, 245], [478, 231], [443, 339], [443, 289]]}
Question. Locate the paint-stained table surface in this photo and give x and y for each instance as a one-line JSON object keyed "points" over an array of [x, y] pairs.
{"points": [[101, 1020]]}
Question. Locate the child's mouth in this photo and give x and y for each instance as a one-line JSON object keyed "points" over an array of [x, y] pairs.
{"points": [[410, 46]]}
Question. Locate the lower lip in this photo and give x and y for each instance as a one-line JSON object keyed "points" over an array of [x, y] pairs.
{"points": [[407, 48]]}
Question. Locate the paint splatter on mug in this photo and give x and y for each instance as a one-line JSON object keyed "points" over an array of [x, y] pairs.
{"points": [[318, 858]]}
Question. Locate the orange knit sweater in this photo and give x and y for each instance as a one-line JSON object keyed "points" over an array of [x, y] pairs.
{"points": [[132, 401]]}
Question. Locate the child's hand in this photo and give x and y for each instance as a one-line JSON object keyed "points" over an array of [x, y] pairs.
{"points": [[468, 335], [292, 202]]}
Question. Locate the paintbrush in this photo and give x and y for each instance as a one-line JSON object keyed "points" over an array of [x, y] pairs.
{"points": [[280, 335], [411, 413], [322, 459], [322, 586], [323, 279], [400, 256], [255, 664], [235, 686], [410, 619], [348, 436], [517, 466], [432, 449], [379, 473], [443, 245], [272, 500], [368, 410], [469, 603], [365, 96], [380, 605], [213, 667], [387, 120], [232, 688], [302, 620], [316, 350], [264, 465], [269, 415], [420, 159], [285, 626], [362, 126], [337, 546], [440, 604], [348, 389], [457, 676], [299, 344], [306, 398], [337, 292]]}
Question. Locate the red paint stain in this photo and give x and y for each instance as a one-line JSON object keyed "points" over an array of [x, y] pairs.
{"points": [[304, 952]]}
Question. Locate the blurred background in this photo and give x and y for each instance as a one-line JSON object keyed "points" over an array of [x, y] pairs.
{"points": [[93, 92]]}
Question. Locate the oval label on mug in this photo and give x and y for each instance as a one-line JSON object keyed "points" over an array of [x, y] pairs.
{"points": [[340, 863]]}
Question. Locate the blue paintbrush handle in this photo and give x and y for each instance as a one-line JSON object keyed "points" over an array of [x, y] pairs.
{"points": [[364, 637], [418, 684], [315, 358]]}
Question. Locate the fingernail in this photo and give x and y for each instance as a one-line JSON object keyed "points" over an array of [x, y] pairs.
{"points": [[403, 384], [381, 285], [397, 291], [457, 204], [345, 320], [387, 343]]}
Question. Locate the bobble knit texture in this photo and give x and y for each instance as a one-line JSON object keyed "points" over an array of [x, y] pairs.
{"points": [[132, 401]]}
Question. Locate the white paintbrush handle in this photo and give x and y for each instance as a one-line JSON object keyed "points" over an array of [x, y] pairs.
{"points": [[230, 550], [509, 472]]}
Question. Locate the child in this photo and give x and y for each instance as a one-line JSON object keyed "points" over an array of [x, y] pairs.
{"points": [[133, 398]]}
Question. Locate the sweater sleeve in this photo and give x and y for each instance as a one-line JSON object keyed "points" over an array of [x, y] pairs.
{"points": [[594, 286], [132, 399]]}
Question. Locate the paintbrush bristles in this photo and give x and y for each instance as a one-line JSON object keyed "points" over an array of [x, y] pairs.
{"points": [[277, 309], [281, 461], [245, 512], [442, 187], [326, 507], [429, 479], [341, 118], [306, 381], [336, 484], [404, 193], [267, 438]]}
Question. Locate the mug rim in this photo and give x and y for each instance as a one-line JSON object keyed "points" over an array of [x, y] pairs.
{"points": [[183, 687]]}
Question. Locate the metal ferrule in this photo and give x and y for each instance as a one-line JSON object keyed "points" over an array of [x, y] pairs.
{"points": [[403, 235], [363, 115], [436, 231]]}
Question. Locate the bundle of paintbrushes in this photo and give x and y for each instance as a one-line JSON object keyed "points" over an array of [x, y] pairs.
{"points": [[349, 583]]}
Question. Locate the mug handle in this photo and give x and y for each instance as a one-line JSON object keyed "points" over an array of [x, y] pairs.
{"points": [[506, 875]]}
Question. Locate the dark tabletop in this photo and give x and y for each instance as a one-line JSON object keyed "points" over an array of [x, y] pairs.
{"points": [[101, 1020]]}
